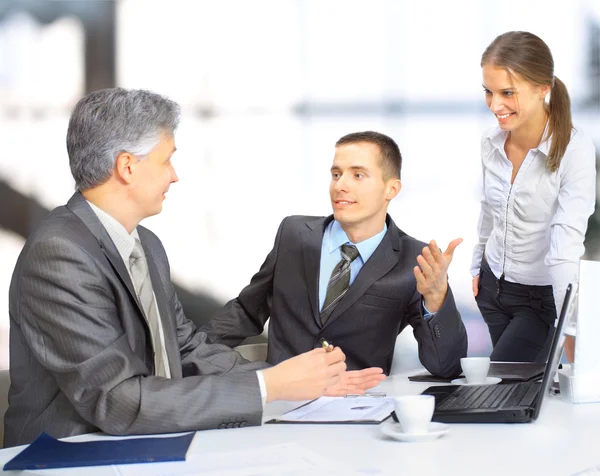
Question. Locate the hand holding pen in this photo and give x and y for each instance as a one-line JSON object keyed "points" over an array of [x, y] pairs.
{"points": [[353, 382], [325, 344]]}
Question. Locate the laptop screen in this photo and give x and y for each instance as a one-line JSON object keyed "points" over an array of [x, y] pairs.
{"points": [[555, 352]]}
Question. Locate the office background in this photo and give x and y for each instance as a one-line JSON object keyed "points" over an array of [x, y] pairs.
{"points": [[267, 87]]}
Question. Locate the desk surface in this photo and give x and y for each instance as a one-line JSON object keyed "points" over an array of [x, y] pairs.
{"points": [[563, 441]]}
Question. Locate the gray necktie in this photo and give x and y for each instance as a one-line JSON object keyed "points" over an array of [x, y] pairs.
{"points": [[339, 281], [143, 287]]}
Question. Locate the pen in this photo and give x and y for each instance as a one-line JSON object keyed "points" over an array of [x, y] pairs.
{"points": [[326, 345], [371, 394]]}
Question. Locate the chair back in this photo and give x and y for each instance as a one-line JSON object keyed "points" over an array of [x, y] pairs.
{"points": [[253, 352], [4, 386]]}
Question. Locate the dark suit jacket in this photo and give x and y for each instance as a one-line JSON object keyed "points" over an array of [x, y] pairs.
{"points": [[80, 349], [381, 301]]}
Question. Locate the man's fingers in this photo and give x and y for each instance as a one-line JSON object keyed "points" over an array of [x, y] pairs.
{"points": [[364, 383], [364, 372], [434, 260], [360, 376], [331, 382], [370, 384], [337, 368], [426, 268], [419, 277], [334, 391], [435, 251], [452, 246], [336, 355], [316, 350]]}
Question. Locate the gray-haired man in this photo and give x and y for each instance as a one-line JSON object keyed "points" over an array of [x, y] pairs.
{"points": [[98, 338]]}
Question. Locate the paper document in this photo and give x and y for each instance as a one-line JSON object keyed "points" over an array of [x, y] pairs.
{"points": [[289, 459], [595, 471], [340, 410]]}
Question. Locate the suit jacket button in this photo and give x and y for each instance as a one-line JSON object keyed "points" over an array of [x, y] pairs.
{"points": [[236, 424], [229, 425], [222, 426], [243, 424]]}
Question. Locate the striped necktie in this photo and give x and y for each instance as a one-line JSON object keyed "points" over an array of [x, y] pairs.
{"points": [[339, 281]]}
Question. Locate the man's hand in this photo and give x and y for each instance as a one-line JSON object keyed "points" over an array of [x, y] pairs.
{"points": [[356, 382], [432, 273], [305, 376]]}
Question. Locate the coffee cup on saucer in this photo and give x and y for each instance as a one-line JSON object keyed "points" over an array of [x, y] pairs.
{"points": [[475, 369], [414, 412]]}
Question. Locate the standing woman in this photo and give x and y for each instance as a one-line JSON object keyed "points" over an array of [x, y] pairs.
{"points": [[539, 189]]}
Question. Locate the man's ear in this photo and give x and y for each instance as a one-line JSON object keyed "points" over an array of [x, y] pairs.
{"points": [[393, 188], [124, 166]]}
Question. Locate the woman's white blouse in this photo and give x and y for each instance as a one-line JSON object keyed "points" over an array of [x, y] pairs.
{"points": [[533, 230]]}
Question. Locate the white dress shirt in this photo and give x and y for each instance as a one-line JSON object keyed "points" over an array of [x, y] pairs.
{"points": [[533, 230], [124, 243]]}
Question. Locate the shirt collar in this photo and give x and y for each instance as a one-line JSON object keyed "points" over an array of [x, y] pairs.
{"points": [[338, 237], [497, 138], [117, 232]]}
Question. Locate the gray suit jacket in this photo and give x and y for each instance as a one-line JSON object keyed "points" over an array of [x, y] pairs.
{"points": [[80, 350], [381, 301]]}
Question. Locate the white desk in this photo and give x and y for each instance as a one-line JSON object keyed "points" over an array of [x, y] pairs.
{"points": [[564, 440]]}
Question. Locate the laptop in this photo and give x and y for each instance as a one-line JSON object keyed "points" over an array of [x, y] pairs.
{"points": [[505, 402], [507, 371]]}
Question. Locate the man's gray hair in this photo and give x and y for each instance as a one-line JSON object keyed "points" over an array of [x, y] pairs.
{"points": [[108, 122]]}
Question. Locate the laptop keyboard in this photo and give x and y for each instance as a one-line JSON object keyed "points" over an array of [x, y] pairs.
{"points": [[485, 396]]}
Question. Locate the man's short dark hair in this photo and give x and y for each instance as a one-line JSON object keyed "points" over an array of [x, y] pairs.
{"points": [[391, 159]]}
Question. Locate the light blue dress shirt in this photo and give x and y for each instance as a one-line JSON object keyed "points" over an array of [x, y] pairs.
{"points": [[331, 254]]}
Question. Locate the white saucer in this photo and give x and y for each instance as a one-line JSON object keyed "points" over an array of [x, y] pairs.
{"points": [[488, 381], [394, 430]]}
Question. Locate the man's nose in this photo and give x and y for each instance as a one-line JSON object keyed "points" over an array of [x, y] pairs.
{"points": [[174, 177], [340, 183]]}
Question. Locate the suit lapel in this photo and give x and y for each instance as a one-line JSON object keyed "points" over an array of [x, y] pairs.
{"points": [[79, 206], [312, 238], [166, 320], [379, 264]]}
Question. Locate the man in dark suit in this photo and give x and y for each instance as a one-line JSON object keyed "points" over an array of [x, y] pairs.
{"points": [[351, 277], [98, 338]]}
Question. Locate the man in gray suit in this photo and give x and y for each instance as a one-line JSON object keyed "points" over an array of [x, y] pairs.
{"points": [[300, 288], [98, 338]]}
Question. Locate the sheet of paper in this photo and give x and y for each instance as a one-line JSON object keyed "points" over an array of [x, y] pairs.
{"points": [[340, 409], [595, 471], [288, 459]]}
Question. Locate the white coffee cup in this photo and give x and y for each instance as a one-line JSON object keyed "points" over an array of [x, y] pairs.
{"points": [[475, 368], [414, 412]]}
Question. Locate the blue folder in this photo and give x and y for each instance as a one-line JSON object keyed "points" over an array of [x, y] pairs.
{"points": [[47, 452]]}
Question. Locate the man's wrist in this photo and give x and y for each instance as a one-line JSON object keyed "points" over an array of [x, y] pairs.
{"points": [[270, 388], [434, 302]]}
